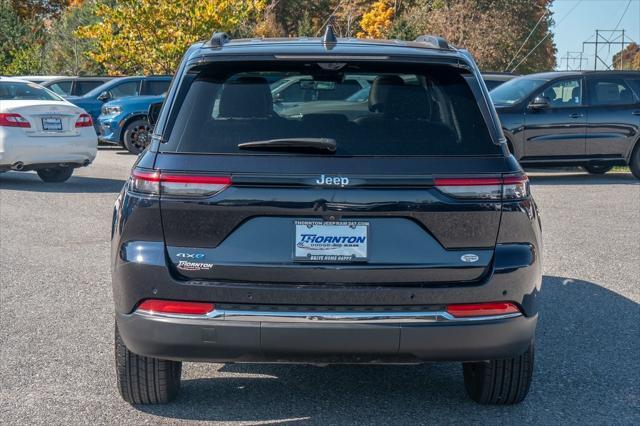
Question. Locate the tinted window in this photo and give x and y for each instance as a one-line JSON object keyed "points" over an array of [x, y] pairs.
{"points": [[565, 93], [25, 91], [84, 86], [125, 89], [610, 92], [492, 84], [62, 88], [413, 110], [515, 90], [155, 87]]}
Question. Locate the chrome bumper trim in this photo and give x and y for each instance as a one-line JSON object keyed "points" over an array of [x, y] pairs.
{"points": [[329, 317]]}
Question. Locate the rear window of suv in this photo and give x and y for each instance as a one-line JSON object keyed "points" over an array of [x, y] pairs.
{"points": [[403, 110]]}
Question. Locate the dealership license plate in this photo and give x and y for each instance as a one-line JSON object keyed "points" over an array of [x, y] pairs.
{"points": [[317, 241], [51, 123]]}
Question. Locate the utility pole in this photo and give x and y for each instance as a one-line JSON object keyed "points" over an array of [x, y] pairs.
{"points": [[608, 38], [570, 61]]}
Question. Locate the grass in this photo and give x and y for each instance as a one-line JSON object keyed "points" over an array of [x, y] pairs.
{"points": [[621, 169]]}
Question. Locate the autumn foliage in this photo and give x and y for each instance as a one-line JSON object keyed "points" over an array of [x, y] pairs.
{"points": [[378, 20], [150, 36], [121, 37]]}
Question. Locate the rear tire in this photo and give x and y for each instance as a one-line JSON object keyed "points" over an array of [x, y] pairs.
{"points": [[634, 162], [499, 382], [137, 135], [145, 380], [55, 174], [597, 169]]}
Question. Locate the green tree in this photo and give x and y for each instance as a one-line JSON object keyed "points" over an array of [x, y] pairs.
{"points": [[67, 53], [20, 42]]}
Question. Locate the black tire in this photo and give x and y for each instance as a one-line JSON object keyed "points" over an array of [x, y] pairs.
{"points": [[499, 382], [597, 169], [137, 135], [55, 174], [145, 380], [634, 161]]}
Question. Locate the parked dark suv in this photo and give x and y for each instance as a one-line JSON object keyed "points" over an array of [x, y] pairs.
{"points": [[403, 235], [589, 119]]}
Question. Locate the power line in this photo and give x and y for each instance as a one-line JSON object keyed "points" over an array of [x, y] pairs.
{"points": [[527, 39], [546, 36], [623, 13]]}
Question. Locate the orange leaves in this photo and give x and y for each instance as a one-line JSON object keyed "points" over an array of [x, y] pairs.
{"points": [[378, 20]]}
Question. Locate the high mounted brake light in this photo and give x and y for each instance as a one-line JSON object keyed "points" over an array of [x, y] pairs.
{"points": [[178, 185], [507, 188]]}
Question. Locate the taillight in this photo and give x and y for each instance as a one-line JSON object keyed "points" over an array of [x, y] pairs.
{"points": [[515, 187], [482, 309], [145, 182], [178, 185], [13, 120], [507, 188], [175, 307], [84, 120]]}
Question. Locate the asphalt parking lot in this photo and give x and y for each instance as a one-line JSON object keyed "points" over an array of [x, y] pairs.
{"points": [[56, 323]]}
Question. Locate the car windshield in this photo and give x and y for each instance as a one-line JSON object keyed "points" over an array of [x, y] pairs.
{"points": [[93, 93], [17, 90], [515, 90], [367, 109]]}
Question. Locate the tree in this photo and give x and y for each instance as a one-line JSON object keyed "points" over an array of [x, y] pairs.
{"points": [[493, 30], [147, 36], [20, 42], [378, 20], [67, 53], [627, 59]]}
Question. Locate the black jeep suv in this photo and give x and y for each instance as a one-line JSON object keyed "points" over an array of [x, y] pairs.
{"points": [[588, 118], [404, 234]]}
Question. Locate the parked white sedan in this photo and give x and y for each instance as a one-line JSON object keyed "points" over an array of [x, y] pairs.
{"points": [[41, 131]]}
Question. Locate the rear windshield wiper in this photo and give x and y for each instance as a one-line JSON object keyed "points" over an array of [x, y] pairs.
{"points": [[325, 144]]}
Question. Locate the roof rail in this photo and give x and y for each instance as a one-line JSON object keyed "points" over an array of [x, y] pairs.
{"points": [[435, 41], [218, 39]]}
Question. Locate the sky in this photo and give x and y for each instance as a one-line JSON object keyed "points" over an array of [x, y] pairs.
{"points": [[577, 21]]}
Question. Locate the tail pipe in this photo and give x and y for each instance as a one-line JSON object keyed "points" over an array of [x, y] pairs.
{"points": [[18, 165]]}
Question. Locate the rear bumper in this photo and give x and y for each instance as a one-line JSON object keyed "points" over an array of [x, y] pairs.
{"points": [[250, 338], [76, 150]]}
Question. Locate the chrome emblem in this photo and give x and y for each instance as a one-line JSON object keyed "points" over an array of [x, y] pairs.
{"points": [[469, 258]]}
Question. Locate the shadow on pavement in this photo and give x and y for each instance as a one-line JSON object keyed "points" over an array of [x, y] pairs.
{"points": [[29, 181], [587, 370], [584, 179]]}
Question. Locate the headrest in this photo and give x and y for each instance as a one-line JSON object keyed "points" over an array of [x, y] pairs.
{"points": [[575, 94], [379, 92], [407, 102], [246, 97]]}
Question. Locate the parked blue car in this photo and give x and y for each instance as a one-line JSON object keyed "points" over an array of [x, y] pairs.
{"points": [[124, 122], [118, 88]]}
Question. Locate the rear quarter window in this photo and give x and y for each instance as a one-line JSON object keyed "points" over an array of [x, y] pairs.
{"points": [[400, 110]]}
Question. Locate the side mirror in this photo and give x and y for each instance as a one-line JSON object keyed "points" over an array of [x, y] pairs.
{"points": [[153, 113], [104, 96], [539, 102], [277, 97]]}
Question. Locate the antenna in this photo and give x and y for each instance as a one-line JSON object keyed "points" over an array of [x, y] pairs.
{"points": [[329, 38]]}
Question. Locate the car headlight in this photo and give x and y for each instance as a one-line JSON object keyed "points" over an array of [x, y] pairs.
{"points": [[110, 110]]}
